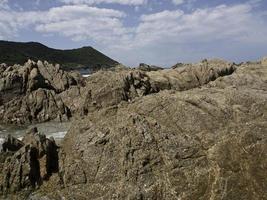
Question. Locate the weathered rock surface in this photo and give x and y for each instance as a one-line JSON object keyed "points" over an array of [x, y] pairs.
{"points": [[148, 68], [11, 144], [31, 93], [109, 88], [192, 132], [39, 92], [264, 61], [26, 167], [207, 141]]}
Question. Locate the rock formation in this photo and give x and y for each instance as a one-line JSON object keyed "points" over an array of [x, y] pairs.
{"points": [[39, 92], [205, 142], [148, 68], [264, 61], [11, 144], [109, 88], [33, 161], [196, 131], [31, 93]]}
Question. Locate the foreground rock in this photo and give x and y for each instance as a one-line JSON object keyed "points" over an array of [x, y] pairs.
{"points": [[205, 142], [25, 164], [193, 132]]}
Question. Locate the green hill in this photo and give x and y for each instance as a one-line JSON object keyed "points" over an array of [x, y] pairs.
{"points": [[86, 57]]}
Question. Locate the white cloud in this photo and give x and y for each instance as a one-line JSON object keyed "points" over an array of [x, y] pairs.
{"points": [[157, 38], [93, 2], [178, 2], [222, 22], [74, 21], [222, 31], [4, 4]]}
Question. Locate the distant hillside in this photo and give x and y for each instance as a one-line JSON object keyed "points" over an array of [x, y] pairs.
{"points": [[86, 57]]}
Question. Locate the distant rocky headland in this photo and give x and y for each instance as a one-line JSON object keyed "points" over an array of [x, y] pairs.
{"points": [[194, 131]]}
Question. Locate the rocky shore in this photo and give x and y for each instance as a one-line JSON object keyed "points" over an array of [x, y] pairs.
{"points": [[195, 131], [33, 92]]}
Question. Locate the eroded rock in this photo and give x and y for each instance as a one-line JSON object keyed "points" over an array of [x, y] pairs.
{"points": [[193, 132], [32, 93], [11, 144], [201, 143], [28, 166]]}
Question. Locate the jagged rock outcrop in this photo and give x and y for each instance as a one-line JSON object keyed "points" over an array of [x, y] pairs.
{"points": [[193, 132], [205, 142], [109, 88], [38, 106], [32, 93], [148, 68], [40, 92], [11, 144], [25, 168], [188, 76]]}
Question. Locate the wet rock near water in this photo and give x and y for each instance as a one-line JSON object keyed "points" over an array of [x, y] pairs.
{"points": [[26, 164], [11, 144]]}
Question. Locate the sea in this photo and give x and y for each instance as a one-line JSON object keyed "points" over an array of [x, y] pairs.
{"points": [[58, 130]]}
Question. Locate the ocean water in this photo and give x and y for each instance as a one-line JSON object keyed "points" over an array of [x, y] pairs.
{"points": [[50, 129], [86, 75]]}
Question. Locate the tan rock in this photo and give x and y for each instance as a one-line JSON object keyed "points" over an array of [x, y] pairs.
{"points": [[202, 143], [264, 61]]}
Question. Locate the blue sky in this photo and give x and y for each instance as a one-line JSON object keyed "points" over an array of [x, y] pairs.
{"points": [[160, 32]]}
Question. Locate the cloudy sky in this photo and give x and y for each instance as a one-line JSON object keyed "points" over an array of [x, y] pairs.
{"points": [[161, 32]]}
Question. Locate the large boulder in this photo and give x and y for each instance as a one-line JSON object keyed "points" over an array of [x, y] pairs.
{"points": [[201, 143], [38, 92], [11, 144], [195, 132], [109, 88], [31, 93], [148, 68], [33, 76], [40, 105], [188, 76], [31, 164], [56, 77]]}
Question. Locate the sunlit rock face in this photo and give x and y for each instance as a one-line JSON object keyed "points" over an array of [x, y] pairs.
{"points": [[205, 142], [196, 131], [30, 93]]}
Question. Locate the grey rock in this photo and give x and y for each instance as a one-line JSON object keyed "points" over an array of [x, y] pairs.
{"points": [[148, 68], [205, 142], [31, 164], [32, 93], [194, 132], [11, 144]]}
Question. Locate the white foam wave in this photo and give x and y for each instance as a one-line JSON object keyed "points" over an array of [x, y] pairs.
{"points": [[86, 75], [57, 135]]}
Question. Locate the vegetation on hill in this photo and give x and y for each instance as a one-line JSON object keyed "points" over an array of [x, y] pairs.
{"points": [[86, 57]]}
